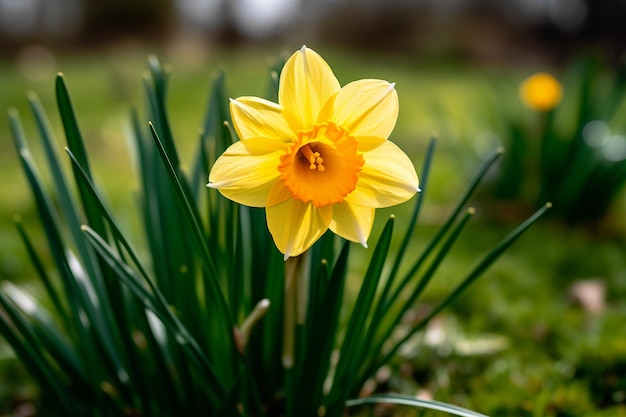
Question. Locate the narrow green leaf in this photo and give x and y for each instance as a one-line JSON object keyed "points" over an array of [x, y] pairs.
{"points": [[428, 159], [100, 313], [382, 304], [159, 350], [41, 271], [404, 400], [155, 302], [50, 222], [264, 349], [482, 266], [90, 333], [72, 131], [106, 296], [66, 200], [324, 324], [215, 136], [395, 312], [76, 144], [491, 257], [449, 222], [45, 333], [194, 225], [114, 228], [157, 98], [356, 327], [11, 327]]}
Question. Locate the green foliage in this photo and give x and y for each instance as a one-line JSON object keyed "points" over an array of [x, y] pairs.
{"points": [[573, 155], [188, 320]]}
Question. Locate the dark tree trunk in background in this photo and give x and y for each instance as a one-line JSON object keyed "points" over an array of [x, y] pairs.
{"points": [[104, 19]]}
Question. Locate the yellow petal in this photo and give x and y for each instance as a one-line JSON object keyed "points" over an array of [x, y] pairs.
{"points": [[365, 108], [306, 83], [255, 117], [278, 194], [296, 226], [387, 178], [352, 222], [247, 170]]}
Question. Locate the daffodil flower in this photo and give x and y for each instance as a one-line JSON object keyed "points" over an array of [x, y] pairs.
{"points": [[317, 160], [541, 92]]}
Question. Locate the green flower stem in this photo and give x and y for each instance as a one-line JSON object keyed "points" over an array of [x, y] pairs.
{"points": [[243, 333], [289, 324], [302, 287], [297, 276]]}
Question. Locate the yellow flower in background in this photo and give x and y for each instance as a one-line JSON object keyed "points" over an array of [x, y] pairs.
{"points": [[317, 160], [541, 92]]}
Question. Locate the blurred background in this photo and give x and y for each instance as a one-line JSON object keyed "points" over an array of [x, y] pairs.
{"points": [[543, 333], [487, 25]]}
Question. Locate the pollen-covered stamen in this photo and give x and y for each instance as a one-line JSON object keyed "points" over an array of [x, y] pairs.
{"points": [[314, 158], [322, 167]]}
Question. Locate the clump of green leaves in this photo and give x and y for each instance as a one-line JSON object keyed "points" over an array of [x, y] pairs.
{"points": [[575, 154], [188, 320]]}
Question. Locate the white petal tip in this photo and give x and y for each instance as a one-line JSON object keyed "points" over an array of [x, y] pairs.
{"points": [[286, 257], [364, 244], [392, 85]]}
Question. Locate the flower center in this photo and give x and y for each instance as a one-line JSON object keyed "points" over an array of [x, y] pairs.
{"points": [[322, 165], [314, 158]]}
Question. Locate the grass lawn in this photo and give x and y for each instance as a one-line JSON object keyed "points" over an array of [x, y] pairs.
{"points": [[514, 344]]}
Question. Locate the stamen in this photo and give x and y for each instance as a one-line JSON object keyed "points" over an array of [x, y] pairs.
{"points": [[304, 170], [314, 158]]}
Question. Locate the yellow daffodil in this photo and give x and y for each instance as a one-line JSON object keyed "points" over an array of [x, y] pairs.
{"points": [[317, 160], [541, 92]]}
